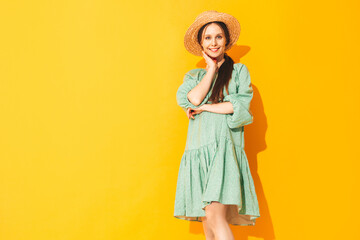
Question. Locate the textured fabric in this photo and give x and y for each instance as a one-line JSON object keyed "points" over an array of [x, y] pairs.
{"points": [[214, 166]]}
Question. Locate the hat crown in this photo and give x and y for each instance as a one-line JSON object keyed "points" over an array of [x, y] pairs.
{"points": [[209, 12]]}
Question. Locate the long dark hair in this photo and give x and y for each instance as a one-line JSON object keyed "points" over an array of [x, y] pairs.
{"points": [[225, 70]]}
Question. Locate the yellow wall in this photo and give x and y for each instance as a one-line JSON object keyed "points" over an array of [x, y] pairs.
{"points": [[91, 135]]}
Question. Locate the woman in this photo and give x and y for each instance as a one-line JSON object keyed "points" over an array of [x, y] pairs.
{"points": [[215, 185]]}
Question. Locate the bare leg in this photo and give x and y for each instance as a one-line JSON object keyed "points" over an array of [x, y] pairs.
{"points": [[209, 234], [216, 220]]}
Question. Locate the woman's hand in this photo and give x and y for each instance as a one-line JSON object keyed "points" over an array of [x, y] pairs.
{"points": [[210, 62], [190, 112]]}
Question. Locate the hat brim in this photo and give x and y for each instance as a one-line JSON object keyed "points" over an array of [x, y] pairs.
{"points": [[190, 39]]}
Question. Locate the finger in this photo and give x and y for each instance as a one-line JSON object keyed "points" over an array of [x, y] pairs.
{"points": [[188, 113], [204, 54]]}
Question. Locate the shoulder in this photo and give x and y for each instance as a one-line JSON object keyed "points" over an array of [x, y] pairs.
{"points": [[240, 67], [195, 74], [241, 71]]}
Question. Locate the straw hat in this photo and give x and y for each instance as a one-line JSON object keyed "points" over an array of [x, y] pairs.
{"points": [[190, 39]]}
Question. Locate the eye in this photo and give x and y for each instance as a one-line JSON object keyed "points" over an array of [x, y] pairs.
{"points": [[220, 37], [206, 37]]}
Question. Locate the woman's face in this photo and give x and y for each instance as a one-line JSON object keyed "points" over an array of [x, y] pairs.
{"points": [[213, 41]]}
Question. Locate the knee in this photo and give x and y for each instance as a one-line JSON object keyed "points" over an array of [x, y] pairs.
{"points": [[214, 217], [215, 222], [211, 220]]}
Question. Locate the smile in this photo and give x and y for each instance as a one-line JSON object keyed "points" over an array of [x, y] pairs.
{"points": [[214, 49]]}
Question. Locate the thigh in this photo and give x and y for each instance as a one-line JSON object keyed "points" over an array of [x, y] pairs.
{"points": [[215, 209]]}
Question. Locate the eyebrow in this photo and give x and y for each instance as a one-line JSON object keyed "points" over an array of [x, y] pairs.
{"points": [[216, 34]]}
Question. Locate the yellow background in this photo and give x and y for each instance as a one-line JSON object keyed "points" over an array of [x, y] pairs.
{"points": [[91, 135]]}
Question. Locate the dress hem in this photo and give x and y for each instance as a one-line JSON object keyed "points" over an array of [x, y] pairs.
{"points": [[234, 219], [198, 219]]}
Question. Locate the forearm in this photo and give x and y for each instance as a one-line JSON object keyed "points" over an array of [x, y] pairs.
{"points": [[223, 107], [199, 92]]}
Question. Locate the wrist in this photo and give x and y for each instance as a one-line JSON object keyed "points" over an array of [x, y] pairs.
{"points": [[207, 107], [212, 69]]}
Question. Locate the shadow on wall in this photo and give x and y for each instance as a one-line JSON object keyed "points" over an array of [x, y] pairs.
{"points": [[254, 144]]}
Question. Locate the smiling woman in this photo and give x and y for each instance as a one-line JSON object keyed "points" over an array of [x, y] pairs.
{"points": [[215, 185], [214, 39]]}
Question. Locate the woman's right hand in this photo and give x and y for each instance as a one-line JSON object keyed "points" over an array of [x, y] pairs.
{"points": [[210, 62], [189, 113]]}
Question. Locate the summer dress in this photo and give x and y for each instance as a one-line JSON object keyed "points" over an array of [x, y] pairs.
{"points": [[214, 166]]}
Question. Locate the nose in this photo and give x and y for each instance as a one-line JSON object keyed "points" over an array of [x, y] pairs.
{"points": [[213, 42]]}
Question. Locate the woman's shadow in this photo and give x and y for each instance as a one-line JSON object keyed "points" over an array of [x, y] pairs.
{"points": [[254, 144]]}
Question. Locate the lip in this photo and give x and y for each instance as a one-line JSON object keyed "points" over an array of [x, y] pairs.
{"points": [[211, 49]]}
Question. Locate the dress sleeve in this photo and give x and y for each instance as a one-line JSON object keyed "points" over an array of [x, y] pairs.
{"points": [[240, 100], [191, 80]]}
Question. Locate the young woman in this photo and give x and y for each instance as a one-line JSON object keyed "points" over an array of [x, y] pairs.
{"points": [[214, 184]]}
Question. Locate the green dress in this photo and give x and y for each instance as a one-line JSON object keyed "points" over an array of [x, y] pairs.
{"points": [[214, 166]]}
